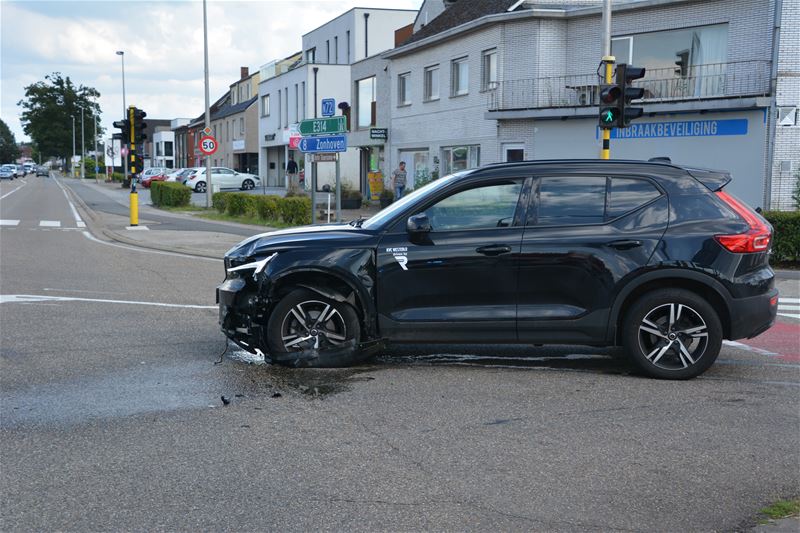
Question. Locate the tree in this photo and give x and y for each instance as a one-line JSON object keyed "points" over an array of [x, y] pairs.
{"points": [[9, 151], [49, 107]]}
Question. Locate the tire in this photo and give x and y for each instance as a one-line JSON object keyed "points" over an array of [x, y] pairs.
{"points": [[248, 185], [200, 186], [662, 322], [291, 342]]}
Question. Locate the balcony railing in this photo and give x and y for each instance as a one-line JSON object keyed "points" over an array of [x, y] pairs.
{"points": [[718, 80]]}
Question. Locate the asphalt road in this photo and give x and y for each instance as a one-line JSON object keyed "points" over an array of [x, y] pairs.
{"points": [[112, 418]]}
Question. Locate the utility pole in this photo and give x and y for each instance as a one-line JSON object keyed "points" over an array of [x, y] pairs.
{"points": [[121, 53], [96, 158], [72, 163], [208, 105], [608, 66], [83, 146]]}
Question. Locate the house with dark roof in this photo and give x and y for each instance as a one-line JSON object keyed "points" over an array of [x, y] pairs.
{"points": [[484, 81]]}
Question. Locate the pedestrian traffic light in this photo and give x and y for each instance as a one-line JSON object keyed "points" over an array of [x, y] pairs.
{"points": [[610, 102], [625, 75]]}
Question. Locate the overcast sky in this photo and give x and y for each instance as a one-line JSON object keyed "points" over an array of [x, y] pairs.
{"points": [[163, 44]]}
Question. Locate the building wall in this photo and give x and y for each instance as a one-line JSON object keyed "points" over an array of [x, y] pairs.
{"points": [[448, 121]]}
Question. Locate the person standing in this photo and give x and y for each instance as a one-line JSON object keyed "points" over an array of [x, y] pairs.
{"points": [[291, 171], [399, 180]]}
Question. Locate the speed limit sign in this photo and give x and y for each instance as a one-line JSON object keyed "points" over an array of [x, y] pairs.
{"points": [[208, 145]]}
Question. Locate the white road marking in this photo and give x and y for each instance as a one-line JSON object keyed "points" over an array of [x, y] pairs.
{"points": [[782, 300], [9, 222], [50, 223], [9, 193], [137, 228], [81, 290], [790, 315], [146, 250], [75, 214], [29, 298], [750, 348]]}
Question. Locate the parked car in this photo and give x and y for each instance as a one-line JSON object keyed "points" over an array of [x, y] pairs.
{"points": [[152, 171], [147, 181], [7, 172], [176, 174], [224, 177], [654, 257]]}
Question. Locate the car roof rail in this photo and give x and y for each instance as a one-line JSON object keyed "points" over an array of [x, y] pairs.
{"points": [[659, 160]]}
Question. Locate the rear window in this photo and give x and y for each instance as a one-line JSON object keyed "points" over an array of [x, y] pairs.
{"points": [[626, 195]]}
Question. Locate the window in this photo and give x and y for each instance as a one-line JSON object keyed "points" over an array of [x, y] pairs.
{"points": [[168, 148], [327, 51], [348, 47], [159, 150], [296, 103], [228, 131], [336, 49], [311, 55], [279, 108], [431, 91], [303, 90], [366, 102], [241, 125], [626, 195], [403, 96], [460, 77], [286, 106], [679, 63], [455, 158], [572, 200], [489, 74], [486, 207], [265, 105]]}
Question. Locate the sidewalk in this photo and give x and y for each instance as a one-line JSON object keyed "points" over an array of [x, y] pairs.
{"points": [[213, 241]]}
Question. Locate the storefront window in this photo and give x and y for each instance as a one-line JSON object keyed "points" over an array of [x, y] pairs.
{"points": [[457, 158]]}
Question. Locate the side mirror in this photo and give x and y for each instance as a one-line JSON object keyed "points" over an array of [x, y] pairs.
{"points": [[419, 223]]}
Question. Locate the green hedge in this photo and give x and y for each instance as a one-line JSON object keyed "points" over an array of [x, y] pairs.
{"points": [[786, 238], [294, 211], [169, 193]]}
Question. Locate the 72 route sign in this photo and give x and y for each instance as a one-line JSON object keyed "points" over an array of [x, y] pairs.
{"points": [[323, 126], [331, 143], [208, 145], [328, 107]]}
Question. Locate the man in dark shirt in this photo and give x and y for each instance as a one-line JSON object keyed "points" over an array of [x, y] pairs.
{"points": [[291, 171]]}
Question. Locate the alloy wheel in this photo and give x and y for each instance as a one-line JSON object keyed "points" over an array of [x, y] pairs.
{"points": [[312, 325], [673, 336]]}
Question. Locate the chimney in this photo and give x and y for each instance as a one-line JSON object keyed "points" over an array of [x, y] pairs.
{"points": [[245, 71]]}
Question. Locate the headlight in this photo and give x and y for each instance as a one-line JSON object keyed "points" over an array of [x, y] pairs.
{"points": [[256, 266]]}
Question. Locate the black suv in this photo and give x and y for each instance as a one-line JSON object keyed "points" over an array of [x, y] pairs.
{"points": [[647, 255]]}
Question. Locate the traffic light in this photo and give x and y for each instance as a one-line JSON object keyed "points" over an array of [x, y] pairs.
{"points": [[139, 125], [124, 136], [137, 137], [610, 103], [625, 75]]}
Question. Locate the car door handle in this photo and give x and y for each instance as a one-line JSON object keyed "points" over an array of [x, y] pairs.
{"points": [[624, 244], [494, 249]]}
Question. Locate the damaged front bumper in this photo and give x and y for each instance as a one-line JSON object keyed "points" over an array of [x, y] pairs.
{"points": [[242, 314]]}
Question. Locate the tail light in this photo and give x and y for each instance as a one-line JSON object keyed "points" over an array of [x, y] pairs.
{"points": [[755, 239]]}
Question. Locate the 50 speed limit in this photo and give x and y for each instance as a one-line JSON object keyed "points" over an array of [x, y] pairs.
{"points": [[208, 145]]}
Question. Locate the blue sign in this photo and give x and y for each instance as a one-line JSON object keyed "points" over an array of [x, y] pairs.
{"points": [[681, 128], [328, 107], [330, 143]]}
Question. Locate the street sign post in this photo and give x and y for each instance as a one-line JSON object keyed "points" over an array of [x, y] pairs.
{"points": [[323, 126], [330, 143], [208, 145], [328, 107]]}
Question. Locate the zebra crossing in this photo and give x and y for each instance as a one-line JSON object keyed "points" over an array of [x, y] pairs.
{"points": [[41, 224], [789, 307]]}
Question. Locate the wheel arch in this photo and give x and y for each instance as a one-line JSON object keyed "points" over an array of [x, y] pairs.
{"points": [[704, 285], [329, 284]]}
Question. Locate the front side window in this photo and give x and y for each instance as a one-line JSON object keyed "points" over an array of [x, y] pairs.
{"points": [[455, 158], [490, 206], [489, 74], [366, 102], [431, 83], [460, 77], [403, 96], [572, 200]]}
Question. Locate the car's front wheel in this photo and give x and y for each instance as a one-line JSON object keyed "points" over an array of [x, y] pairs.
{"points": [[307, 329], [248, 185], [200, 187], [672, 334]]}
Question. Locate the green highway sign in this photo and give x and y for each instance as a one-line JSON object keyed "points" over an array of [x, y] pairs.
{"points": [[323, 126]]}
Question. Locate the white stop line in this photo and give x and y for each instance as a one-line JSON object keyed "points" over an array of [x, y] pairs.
{"points": [[32, 298]]}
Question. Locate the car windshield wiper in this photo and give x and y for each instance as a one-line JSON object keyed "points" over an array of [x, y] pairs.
{"points": [[357, 222]]}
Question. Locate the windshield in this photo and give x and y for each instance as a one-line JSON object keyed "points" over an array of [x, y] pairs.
{"points": [[383, 216]]}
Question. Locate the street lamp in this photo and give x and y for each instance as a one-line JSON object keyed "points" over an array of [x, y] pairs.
{"points": [[83, 146], [121, 54]]}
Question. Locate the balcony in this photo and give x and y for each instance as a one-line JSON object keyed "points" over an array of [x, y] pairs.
{"points": [[698, 82]]}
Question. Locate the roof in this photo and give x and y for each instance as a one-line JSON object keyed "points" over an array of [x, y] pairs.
{"points": [[228, 110], [461, 13]]}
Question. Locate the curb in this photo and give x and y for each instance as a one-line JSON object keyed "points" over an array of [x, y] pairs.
{"points": [[97, 229]]}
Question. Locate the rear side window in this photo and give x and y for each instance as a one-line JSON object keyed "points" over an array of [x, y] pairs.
{"points": [[626, 195], [572, 200]]}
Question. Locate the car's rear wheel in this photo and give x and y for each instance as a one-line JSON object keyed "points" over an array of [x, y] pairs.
{"points": [[672, 334], [307, 329], [247, 185], [200, 187]]}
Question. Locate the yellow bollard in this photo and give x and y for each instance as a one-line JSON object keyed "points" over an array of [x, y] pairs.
{"points": [[134, 209]]}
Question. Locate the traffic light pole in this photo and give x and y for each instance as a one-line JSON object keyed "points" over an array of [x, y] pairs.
{"points": [[608, 63]]}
